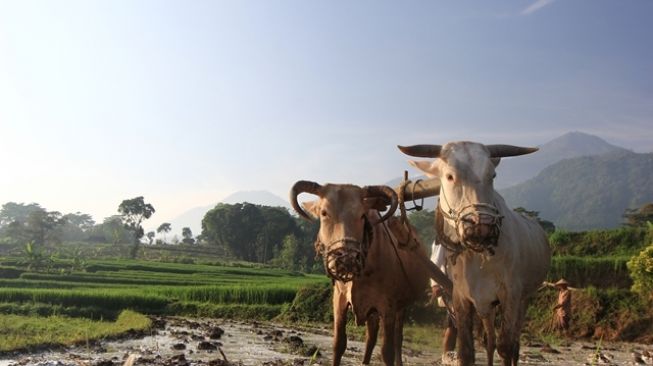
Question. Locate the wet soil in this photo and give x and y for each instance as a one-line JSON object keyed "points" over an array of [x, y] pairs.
{"points": [[194, 342]]}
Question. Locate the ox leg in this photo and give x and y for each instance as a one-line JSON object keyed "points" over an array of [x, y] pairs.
{"points": [[388, 349], [464, 322], [490, 336], [518, 327], [399, 337], [371, 333], [508, 345], [339, 326]]}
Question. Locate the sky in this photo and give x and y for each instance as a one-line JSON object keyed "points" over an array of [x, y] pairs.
{"points": [[186, 102]]}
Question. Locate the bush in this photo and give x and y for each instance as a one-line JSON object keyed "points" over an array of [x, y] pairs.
{"points": [[312, 304], [625, 241], [602, 272], [641, 271]]}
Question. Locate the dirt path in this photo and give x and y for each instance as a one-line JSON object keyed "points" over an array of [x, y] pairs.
{"points": [[186, 342]]}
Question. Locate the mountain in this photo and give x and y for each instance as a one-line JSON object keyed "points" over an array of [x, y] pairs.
{"points": [[263, 198], [517, 170], [193, 217], [587, 192]]}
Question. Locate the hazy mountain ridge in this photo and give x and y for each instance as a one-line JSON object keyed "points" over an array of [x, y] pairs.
{"points": [[563, 150], [515, 170], [587, 192]]}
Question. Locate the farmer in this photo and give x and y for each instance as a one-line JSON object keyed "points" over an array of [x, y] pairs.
{"points": [[563, 307], [439, 257]]}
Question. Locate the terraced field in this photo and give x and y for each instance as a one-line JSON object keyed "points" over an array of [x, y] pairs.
{"points": [[106, 287]]}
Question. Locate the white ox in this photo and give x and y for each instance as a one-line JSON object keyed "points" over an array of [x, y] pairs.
{"points": [[499, 257]]}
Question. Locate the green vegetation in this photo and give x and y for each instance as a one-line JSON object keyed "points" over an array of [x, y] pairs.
{"points": [[623, 241], [26, 332], [603, 272], [641, 270], [609, 314], [82, 282], [108, 287]]}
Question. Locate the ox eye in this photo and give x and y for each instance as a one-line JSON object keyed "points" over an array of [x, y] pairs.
{"points": [[450, 177], [494, 175], [324, 213]]}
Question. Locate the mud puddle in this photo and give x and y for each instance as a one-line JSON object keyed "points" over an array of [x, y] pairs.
{"points": [[192, 342]]}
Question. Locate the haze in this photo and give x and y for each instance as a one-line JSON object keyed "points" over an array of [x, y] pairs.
{"points": [[186, 102]]}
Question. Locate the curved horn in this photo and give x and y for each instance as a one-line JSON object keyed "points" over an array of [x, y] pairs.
{"points": [[502, 151], [385, 191], [303, 186], [421, 151]]}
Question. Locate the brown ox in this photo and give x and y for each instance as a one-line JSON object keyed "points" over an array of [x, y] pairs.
{"points": [[499, 257], [370, 273]]}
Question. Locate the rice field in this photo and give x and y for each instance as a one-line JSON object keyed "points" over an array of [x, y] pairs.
{"points": [[107, 287]]}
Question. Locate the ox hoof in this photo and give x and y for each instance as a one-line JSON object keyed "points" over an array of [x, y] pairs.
{"points": [[450, 358]]}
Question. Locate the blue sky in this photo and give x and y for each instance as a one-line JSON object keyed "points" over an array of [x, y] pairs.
{"points": [[185, 102]]}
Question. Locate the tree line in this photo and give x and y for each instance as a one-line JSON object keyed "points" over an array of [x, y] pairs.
{"points": [[242, 231]]}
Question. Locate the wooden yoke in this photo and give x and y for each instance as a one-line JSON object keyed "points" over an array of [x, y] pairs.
{"points": [[419, 189]]}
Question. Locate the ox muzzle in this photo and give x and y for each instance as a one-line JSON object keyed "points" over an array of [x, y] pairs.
{"points": [[480, 227], [344, 259]]}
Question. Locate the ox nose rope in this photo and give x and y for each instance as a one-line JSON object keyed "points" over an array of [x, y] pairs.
{"points": [[347, 261], [465, 217]]}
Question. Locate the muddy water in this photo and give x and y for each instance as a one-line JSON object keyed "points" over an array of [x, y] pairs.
{"points": [[191, 342]]}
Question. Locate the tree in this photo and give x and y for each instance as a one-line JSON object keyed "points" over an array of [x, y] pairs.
{"points": [[234, 228], [424, 224], [21, 223], [187, 235], [41, 225], [76, 226], [548, 226], [249, 232], [111, 230], [290, 256], [134, 211], [277, 225], [641, 270], [17, 212], [150, 236], [164, 228], [639, 216]]}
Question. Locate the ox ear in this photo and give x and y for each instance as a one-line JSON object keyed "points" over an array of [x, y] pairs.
{"points": [[312, 208], [495, 161], [428, 167]]}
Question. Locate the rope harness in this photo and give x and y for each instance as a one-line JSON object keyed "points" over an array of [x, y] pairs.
{"points": [[470, 218], [347, 261]]}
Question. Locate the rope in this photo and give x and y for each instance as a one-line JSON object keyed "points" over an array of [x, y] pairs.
{"points": [[395, 243], [402, 197]]}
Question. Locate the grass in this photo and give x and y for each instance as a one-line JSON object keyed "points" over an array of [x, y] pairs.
{"points": [[63, 307], [151, 288], [25, 332]]}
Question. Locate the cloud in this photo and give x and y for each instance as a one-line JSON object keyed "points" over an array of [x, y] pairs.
{"points": [[536, 6]]}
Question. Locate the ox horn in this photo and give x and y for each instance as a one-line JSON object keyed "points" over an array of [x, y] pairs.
{"points": [[421, 151], [502, 151], [383, 191], [303, 186]]}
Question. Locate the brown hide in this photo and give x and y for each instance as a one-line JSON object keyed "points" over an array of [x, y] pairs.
{"points": [[393, 273], [393, 276]]}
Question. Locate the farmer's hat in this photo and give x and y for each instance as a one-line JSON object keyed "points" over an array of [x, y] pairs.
{"points": [[561, 282]]}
